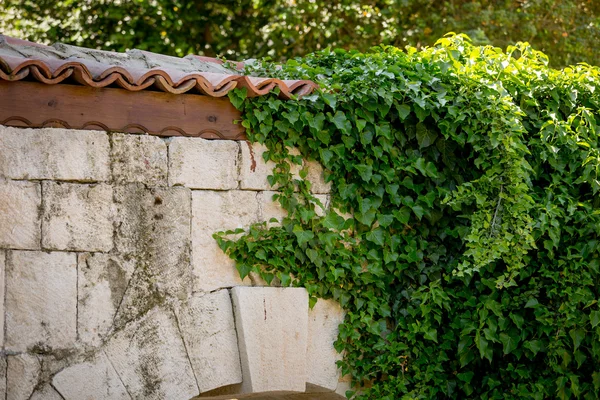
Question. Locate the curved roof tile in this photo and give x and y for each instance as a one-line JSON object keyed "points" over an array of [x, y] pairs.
{"points": [[134, 70]]}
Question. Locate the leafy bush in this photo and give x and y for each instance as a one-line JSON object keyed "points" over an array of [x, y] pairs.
{"points": [[463, 235]]}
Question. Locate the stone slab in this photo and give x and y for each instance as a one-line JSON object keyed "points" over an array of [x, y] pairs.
{"points": [[2, 297], [3, 367], [150, 357], [40, 154], [254, 170], [203, 164], [94, 379], [77, 217], [47, 392], [19, 215], [323, 322], [212, 212], [154, 232], [139, 158], [272, 326], [41, 300], [208, 329], [102, 282], [22, 376]]}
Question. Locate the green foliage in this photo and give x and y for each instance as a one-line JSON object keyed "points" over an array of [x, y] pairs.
{"points": [[568, 30], [463, 235]]}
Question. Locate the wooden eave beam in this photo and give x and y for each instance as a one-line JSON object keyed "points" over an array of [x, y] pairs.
{"points": [[37, 105]]}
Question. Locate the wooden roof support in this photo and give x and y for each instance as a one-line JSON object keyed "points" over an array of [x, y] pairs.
{"points": [[36, 105]]}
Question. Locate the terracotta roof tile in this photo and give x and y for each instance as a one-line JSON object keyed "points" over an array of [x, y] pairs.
{"points": [[134, 70]]}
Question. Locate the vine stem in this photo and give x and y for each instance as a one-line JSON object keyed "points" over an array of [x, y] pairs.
{"points": [[497, 208]]}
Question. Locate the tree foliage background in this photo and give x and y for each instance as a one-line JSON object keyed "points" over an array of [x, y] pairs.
{"points": [[566, 30]]}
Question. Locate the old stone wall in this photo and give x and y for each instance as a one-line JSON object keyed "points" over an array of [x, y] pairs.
{"points": [[112, 286]]}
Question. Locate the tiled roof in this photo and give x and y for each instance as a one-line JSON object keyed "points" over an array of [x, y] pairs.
{"points": [[134, 70]]}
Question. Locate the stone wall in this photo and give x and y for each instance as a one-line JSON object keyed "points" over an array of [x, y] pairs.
{"points": [[113, 287]]}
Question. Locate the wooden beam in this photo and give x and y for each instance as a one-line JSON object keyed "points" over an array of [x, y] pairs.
{"points": [[37, 105]]}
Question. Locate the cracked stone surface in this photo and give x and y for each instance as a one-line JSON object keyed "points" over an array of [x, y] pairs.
{"points": [[41, 300], [40, 154], [263, 315], [323, 322], [153, 232], [208, 329], [101, 285], [95, 379], [47, 392], [19, 215], [77, 217], [22, 376], [139, 158], [150, 357], [203, 164], [218, 211]]}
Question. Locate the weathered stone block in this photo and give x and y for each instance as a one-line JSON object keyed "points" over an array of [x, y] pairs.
{"points": [[77, 217], [139, 158], [323, 322], [2, 287], [3, 372], [263, 316], [150, 357], [19, 215], [22, 376], [213, 212], [47, 392], [208, 329], [153, 230], [101, 284], [61, 154], [94, 379], [41, 300], [203, 164], [316, 178]]}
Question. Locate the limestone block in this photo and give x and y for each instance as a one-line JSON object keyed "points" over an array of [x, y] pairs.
{"points": [[2, 287], [153, 230], [61, 154], [19, 215], [22, 376], [254, 170], [94, 379], [316, 178], [139, 158], [150, 358], [77, 217], [213, 212], [101, 284], [203, 164], [272, 326], [3, 367], [46, 392], [208, 329], [41, 300], [321, 356]]}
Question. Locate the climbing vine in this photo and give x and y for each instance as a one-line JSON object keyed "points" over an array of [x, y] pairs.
{"points": [[462, 235]]}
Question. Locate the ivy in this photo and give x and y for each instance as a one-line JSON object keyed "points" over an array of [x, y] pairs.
{"points": [[462, 237]]}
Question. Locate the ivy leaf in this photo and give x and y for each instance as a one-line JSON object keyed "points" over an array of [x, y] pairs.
{"points": [[577, 335], [403, 111], [509, 343], [243, 269], [483, 345], [301, 235], [340, 121], [595, 318], [329, 99], [425, 136], [431, 335], [237, 97], [376, 236], [365, 171]]}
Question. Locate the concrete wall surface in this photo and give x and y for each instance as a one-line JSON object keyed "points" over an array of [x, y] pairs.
{"points": [[112, 286]]}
